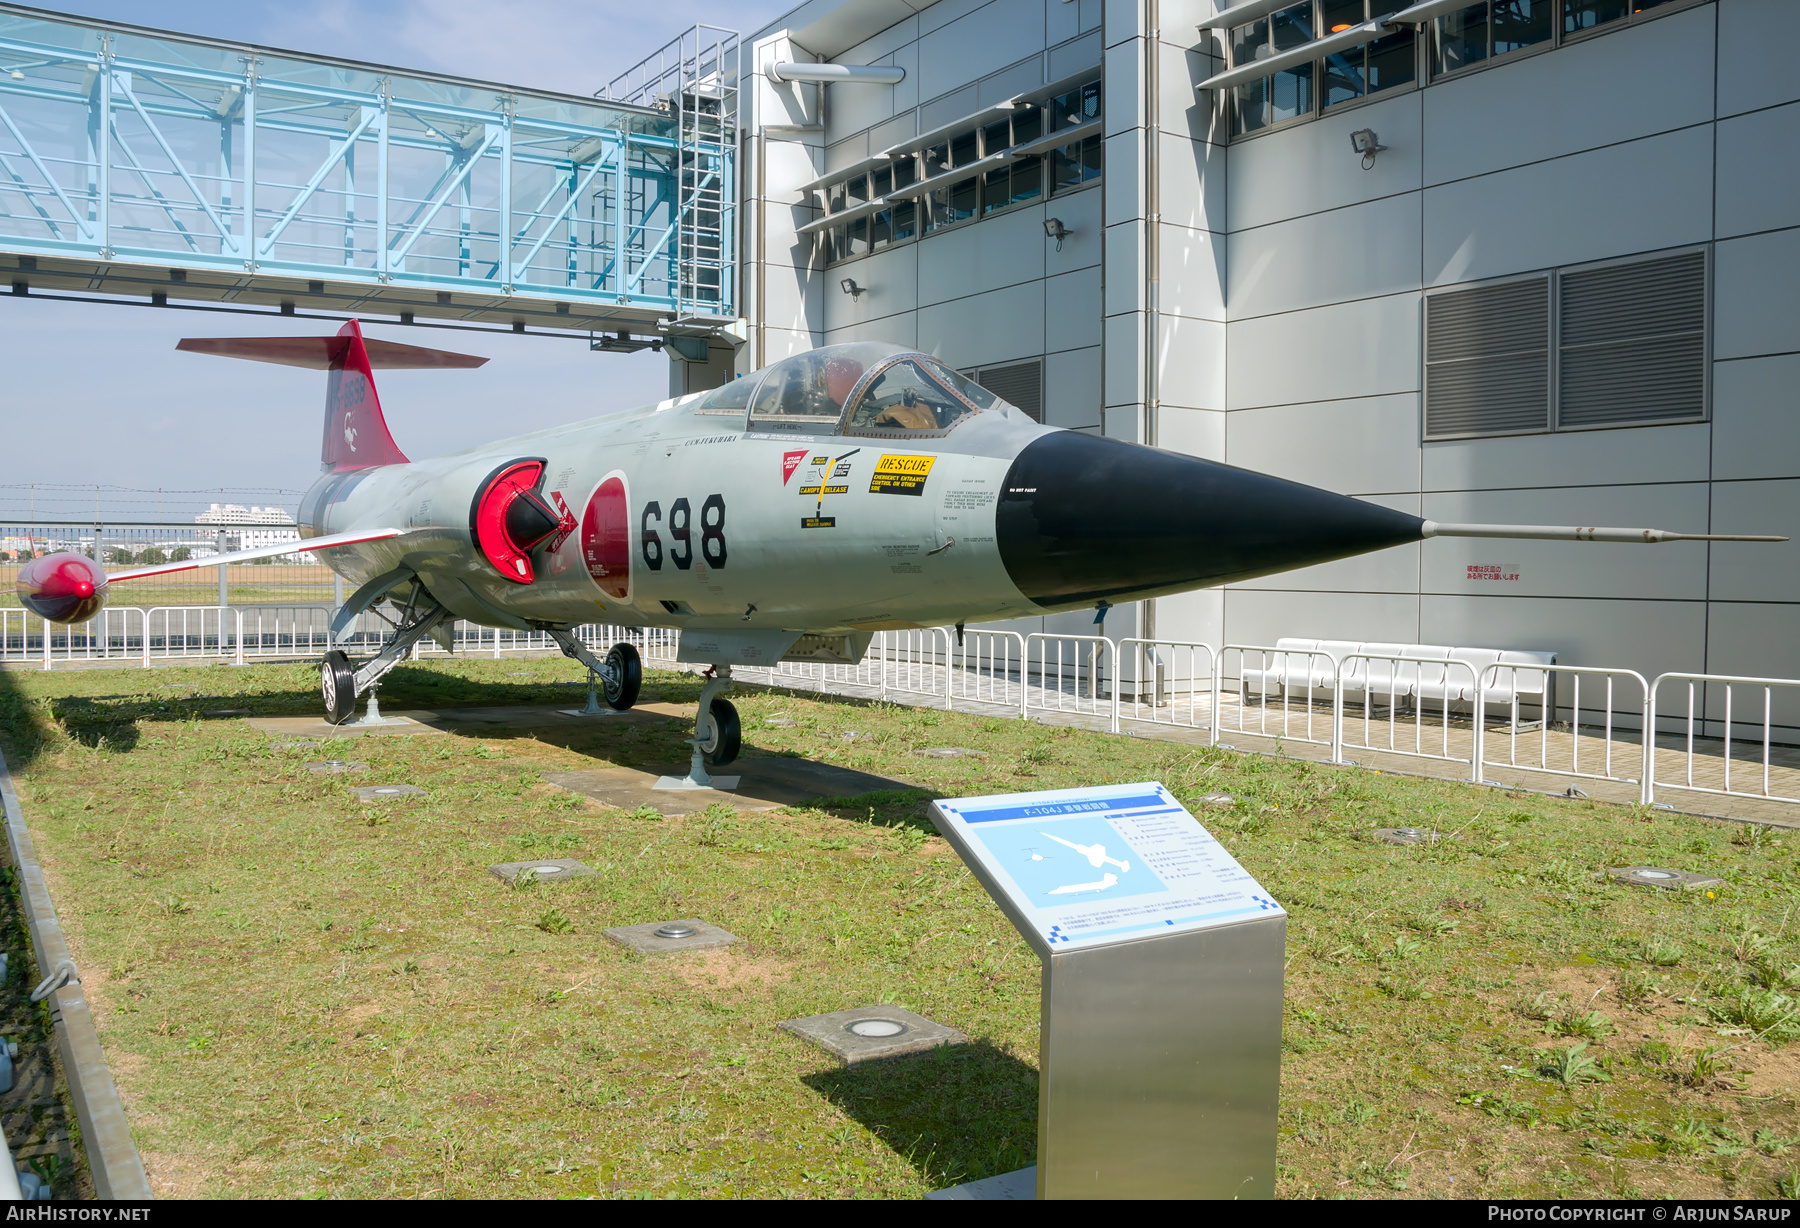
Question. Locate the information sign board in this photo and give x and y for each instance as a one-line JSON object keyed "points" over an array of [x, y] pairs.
{"points": [[1113, 863]]}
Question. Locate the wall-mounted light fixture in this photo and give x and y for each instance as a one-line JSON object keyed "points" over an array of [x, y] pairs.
{"points": [[1365, 142], [849, 286], [1054, 229]]}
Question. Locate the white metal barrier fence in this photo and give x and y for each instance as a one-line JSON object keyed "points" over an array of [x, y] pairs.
{"points": [[1072, 675], [1597, 741], [1165, 682], [1276, 689], [1367, 682], [1695, 773], [1501, 716]]}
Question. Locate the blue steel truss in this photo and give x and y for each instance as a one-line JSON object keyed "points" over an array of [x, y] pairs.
{"points": [[215, 170]]}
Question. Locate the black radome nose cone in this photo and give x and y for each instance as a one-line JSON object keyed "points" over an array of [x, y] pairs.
{"points": [[1084, 519]]}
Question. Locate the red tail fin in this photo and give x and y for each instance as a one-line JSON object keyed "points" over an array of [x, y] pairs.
{"points": [[356, 435]]}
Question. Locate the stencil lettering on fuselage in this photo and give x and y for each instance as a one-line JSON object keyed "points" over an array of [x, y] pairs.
{"points": [[606, 538]]}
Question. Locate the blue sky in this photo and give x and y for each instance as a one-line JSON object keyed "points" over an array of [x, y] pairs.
{"points": [[97, 394]]}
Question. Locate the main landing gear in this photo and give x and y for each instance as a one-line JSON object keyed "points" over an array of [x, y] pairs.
{"points": [[620, 677], [718, 734], [341, 684]]}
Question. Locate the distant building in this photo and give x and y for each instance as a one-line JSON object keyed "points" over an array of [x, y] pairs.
{"points": [[251, 528]]}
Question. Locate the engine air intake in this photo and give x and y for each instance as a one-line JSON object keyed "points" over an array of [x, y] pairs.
{"points": [[510, 518]]}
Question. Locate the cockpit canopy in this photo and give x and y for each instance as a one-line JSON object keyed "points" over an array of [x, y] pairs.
{"points": [[864, 388]]}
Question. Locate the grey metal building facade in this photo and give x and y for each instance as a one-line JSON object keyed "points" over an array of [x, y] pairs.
{"points": [[1564, 289]]}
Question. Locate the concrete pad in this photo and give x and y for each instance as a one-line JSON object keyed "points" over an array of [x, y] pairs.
{"points": [[870, 1032], [382, 793], [404, 724], [548, 870], [1662, 876], [763, 784], [1018, 1186], [335, 767], [645, 939]]}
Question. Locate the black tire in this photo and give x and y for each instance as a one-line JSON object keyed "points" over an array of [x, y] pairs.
{"points": [[726, 737], [337, 686], [628, 671]]}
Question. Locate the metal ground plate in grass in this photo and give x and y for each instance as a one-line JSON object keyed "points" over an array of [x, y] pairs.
{"points": [[1662, 876], [336, 767], [672, 937], [1405, 835], [382, 793], [870, 1032], [549, 870], [950, 752]]}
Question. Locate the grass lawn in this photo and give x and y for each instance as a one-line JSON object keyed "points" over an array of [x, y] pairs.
{"points": [[303, 995]]}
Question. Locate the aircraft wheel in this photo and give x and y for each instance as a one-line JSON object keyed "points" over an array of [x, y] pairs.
{"points": [[628, 676], [726, 736], [337, 684]]}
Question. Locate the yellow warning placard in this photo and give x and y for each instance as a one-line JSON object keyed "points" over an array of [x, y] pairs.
{"points": [[901, 475]]}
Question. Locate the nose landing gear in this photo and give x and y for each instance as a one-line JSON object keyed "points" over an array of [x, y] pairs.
{"points": [[718, 736]]}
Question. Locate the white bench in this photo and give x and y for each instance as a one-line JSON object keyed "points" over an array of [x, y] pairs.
{"points": [[1387, 674]]}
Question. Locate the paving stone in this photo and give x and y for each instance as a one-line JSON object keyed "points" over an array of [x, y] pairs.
{"points": [[870, 1032], [668, 938]]}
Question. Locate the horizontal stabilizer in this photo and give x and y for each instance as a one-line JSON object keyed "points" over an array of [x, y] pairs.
{"points": [[261, 552], [318, 353], [1572, 533]]}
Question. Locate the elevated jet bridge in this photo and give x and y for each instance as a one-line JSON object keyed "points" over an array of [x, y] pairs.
{"points": [[164, 166]]}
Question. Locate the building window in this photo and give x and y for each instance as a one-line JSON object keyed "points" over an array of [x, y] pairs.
{"points": [[1628, 340], [1305, 89], [1461, 39], [1041, 167], [1020, 384]]}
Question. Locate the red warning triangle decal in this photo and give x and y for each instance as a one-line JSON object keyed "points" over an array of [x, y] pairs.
{"points": [[790, 461]]}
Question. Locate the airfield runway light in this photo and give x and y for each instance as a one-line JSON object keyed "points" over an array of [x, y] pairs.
{"points": [[849, 286], [62, 587], [678, 937], [872, 1032], [1663, 877], [1054, 229]]}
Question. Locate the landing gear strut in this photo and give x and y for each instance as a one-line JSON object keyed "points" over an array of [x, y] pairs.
{"points": [[718, 735], [341, 686], [620, 676]]}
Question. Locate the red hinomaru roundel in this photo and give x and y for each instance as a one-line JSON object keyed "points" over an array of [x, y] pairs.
{"points": [[606, 539]]}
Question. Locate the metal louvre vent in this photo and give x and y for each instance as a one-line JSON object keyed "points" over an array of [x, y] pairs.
{"points": [[1487, 359], [1019, 383], [1633, 343]]}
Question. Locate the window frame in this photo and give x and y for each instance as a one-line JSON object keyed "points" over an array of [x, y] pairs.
{"points": [[1424, 45], [1553, 376], [837, 241]]}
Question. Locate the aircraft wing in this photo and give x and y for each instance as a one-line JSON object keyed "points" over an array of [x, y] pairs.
{"points": [[261, 552]]}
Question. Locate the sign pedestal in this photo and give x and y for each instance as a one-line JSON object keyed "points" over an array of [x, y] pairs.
{"points": [[1160, 1050]]}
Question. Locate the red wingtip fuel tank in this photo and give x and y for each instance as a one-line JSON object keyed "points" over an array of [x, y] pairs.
{"points": [[64, 588]]}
